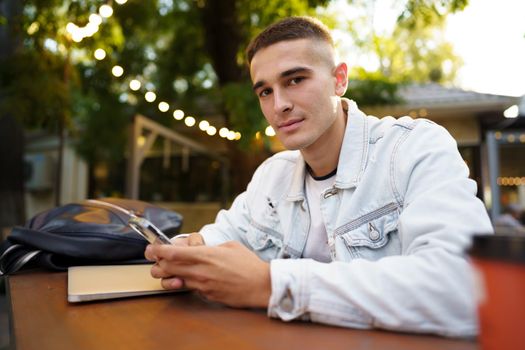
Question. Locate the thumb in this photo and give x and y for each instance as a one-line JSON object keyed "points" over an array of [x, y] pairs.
{"points": [[195, 239]]}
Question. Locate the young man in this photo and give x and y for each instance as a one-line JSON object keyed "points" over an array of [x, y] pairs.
{"points": [[362, 224]]}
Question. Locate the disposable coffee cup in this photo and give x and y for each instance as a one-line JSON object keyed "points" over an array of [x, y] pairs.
{"points": [[499, 264]]}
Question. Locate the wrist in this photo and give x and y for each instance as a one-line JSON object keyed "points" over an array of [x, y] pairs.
{"points": [[265, 290]]}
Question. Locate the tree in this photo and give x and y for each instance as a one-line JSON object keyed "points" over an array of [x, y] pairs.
{"points": [[189, 51], [11, 133], [414, 51]]}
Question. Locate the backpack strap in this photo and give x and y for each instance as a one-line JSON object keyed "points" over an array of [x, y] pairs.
{"points": [[15, 257]]}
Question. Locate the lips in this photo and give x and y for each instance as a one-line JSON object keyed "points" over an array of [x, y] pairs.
{"points": [[290, 125]]}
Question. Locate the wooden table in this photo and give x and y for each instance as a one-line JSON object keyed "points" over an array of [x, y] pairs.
{"points": [[41, 318]]}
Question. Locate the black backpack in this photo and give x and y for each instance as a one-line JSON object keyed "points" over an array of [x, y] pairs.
{"points": [[92, 232]]}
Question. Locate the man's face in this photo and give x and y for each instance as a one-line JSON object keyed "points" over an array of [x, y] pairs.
{"points": [[298, 89]]}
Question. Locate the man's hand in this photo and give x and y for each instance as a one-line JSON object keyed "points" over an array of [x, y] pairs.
{"points": [[193, 239], [229, 273]]}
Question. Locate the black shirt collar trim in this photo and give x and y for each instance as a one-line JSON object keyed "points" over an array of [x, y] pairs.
{"points": [[321, 178]]}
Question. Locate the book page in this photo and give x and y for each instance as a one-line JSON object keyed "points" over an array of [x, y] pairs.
{"points": [[87, 283]]}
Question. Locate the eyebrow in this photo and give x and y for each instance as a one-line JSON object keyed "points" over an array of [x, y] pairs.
{"points": [[284, 74]]}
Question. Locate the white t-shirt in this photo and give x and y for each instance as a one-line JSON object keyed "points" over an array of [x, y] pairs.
{"points": [[317, 243]]}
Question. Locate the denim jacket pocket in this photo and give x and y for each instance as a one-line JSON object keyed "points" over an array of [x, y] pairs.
{"points": [[264, 241], [374, 238]]}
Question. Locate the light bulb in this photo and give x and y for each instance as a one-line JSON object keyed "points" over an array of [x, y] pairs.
{"points": [[134, 85], [269, 131], [95, 19], [117, 71], [203, 125], [178, 114], [105, 11], [99, 54], [211, 130], [189, 121], [164, 106], [150, 96], [223, 132]]}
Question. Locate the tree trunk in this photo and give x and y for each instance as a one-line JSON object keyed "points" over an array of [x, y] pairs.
{"points": [[11, 132], [12, 173], [223, 38]]}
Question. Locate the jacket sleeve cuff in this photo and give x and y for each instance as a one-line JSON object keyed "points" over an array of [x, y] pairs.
{"points": [[210, 236], [290, 289]]}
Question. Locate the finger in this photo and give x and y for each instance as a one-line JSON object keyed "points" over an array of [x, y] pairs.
{"points": [[195, 239], [172, 283], [168, 268], [149, 253], [180, 254], [181, 242], [158, 272]]}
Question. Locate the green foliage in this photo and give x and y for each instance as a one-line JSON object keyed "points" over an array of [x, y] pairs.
{"points": [[164, 43], [422, 14], [372, 89], [421, 56], [100, 115], [34, 90], [414, 51], [243, 109]]}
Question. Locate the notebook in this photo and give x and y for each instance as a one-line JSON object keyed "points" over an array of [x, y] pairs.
{"points": [[87, 283]]}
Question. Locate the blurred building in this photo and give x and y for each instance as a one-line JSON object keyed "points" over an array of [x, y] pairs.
{"points": [[41, 168]]}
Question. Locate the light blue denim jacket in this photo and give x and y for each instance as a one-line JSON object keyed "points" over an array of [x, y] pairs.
{"points": [[398, 218]]}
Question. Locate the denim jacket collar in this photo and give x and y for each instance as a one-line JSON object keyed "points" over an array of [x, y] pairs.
{"points": [[354, 151], [352, 159]]}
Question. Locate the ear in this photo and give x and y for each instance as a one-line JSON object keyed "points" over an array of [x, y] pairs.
{"points": [[341, 79]]}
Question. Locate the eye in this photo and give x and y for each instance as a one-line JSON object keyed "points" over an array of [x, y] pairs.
{"points": [[296, 80], [265, 92]]}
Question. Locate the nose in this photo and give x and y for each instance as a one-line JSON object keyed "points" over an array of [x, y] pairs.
{"points": [[281, 102]]}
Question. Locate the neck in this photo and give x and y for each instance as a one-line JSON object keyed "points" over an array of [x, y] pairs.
{"points": [[323, 155]]}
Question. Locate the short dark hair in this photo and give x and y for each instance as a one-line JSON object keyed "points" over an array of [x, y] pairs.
{"points": [[291, 28]]}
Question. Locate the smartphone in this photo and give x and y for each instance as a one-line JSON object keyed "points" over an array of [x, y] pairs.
{"points": [[147, 230]]}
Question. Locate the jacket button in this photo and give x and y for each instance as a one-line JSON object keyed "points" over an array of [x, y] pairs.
{"points": [[286, 303], [330, 193], [374, 235]]}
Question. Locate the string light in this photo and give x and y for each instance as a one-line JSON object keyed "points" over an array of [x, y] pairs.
{"points": [[150, 96], [77, 34], [164, 106], [269, 131], [117, 71], [178, 114], [211, 130], [95, 19], [203, 125], [105, 11], [100, 54], [71, 28], [89, 30], [189, 121], [134, 85], [77, 37], [511, 181]]}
